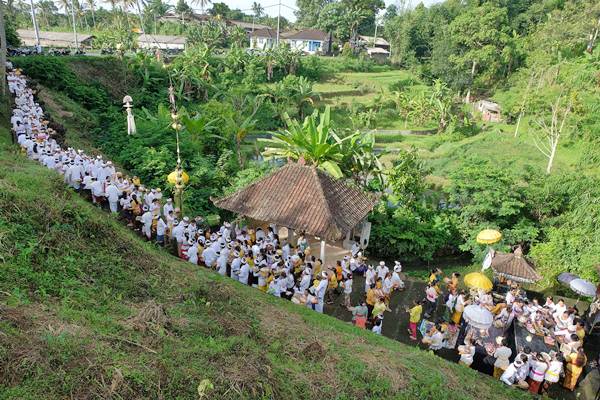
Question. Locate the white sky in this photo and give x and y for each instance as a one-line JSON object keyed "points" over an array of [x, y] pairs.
{"points": [[271, 6]]}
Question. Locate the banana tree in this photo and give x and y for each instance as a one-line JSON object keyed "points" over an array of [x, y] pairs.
{"points": [[200, 130], [314, 141], [192, 73]]}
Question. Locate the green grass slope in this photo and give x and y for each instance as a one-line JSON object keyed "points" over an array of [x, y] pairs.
{"points": [[88, 310]]}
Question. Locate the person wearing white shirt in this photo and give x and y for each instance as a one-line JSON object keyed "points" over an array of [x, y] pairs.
{"points": [[146, 220], [168, 207], [434, 338], [244, 272], [305, 281], [369, 277], [516, 372], [348, 291], [377, 327], [210, 257], [222, 263], [161, 230], [112, 194], [320, 292], [97, 190], [192, 252], [502, 355], [467, 352], [382, 270], [555, 369], [397, 282], [236, 264]]}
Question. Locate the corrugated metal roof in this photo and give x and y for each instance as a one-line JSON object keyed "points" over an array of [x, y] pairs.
{"points": [[369, 39], [53, 36], [303, 198], [247, 25], [308, 34], [266, 32], [144, 38]]}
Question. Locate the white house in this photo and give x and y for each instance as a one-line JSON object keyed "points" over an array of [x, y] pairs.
{"points": [[308, 41], [161, 42], [263, 39]]}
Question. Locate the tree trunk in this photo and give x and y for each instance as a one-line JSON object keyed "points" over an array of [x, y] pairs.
{"points": [[93, 15], [552, 154]]}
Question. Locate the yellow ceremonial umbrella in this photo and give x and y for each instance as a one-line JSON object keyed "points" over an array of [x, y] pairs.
{"points": [[489, 236], [477, 280]]}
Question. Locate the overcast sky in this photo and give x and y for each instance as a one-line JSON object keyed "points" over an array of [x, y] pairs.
{"points": [[287, 6]]}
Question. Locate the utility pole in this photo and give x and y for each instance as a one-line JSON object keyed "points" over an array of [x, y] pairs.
{"points": [[74, 26], [278, 23], [35, 25]]}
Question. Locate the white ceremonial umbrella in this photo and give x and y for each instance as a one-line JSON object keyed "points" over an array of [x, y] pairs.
{"points": [[583, 287], [478, 317]]}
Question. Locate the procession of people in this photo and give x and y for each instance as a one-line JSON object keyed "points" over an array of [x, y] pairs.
{"points": [[280, 266]]}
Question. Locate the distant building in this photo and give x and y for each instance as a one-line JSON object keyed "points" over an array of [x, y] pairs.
{"points": [[249, 27], [378, 54], [489, 110], [264, 39], [310, 41], [161, 42], [54, 39], [187, 17], [370, 42]]}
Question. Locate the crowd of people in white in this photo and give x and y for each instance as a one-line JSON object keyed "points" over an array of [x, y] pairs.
{"points": [[250, 256]]}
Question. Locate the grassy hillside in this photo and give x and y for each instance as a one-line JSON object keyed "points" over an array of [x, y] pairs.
{"points": [[88, 310]]}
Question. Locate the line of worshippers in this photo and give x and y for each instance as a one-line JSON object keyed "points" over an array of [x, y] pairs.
{"points": [[276, 267], [252, 257], [560, 325]]}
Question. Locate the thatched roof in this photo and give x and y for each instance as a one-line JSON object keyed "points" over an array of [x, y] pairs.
{"points": [[303, 198], [514, 266]]}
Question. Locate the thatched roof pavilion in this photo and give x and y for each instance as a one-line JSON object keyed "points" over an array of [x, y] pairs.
{"points": [[514, 266], [302, 198]]}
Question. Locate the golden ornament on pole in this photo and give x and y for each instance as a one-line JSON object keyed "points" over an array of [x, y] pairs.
{"points": [[172, 178], [489, 236]]}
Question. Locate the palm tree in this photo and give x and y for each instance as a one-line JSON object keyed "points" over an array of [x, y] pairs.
{"points": [[47, 8], [202, 4], [242, 121], [92, 5], [258, 9]]}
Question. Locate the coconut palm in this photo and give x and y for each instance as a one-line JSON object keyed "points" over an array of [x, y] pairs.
{"points": [[46, 9], [202, 4], [92, 5], [257, 9]]}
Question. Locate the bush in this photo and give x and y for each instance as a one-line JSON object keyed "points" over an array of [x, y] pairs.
{"points": [[54, 73]]}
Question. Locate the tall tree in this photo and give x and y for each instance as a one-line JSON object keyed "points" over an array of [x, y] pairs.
{"points": [[308, 12], [257, 9], [552, 128], [92, 5], [478, 37], [202, 4]]}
